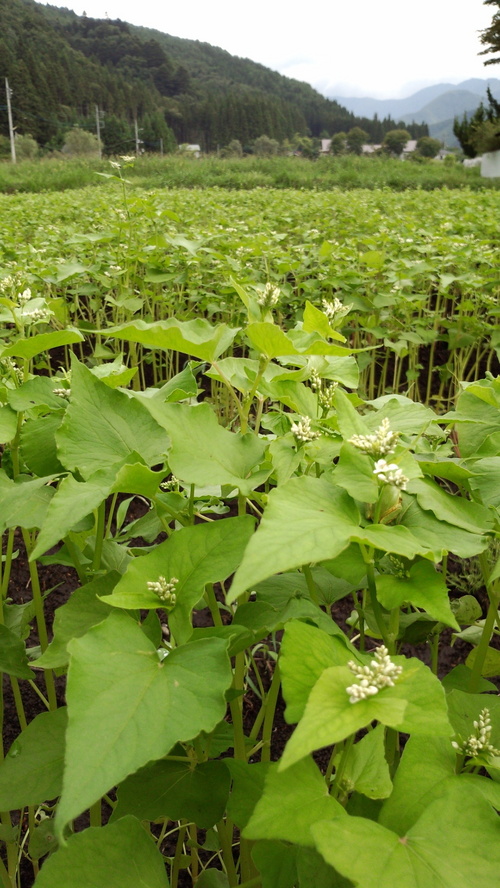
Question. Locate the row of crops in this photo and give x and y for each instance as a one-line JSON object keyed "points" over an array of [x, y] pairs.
{"points": [[261, 431]]}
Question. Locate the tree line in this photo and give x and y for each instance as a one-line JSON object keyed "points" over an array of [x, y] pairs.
{"points": [[60, 66]]}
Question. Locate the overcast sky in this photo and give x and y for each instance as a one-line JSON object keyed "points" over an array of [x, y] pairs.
{"points": [[379, 48]]}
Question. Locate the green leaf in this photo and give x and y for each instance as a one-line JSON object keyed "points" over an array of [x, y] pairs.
{"points": [[416, 704], [349, 420], [13, 659], [276, 862], [38, 444], [464, 709], [438, 537], [486, 480], [314, 872], [397, 540], [366, 769], [31, 772], [74, 618], [247, 788], [103, 427], [354, 472], [197, 338], [72, 501], [127, 708], [291, 803], [35, 392], [424, 588], [8, 424], [305, 653], [25, 502], [196, 555], [204, 453], [270, 340], [316, 321], [491, 665], [306, 520], [35, 345], [176, 790], [459, 679], [121, 854], [454, 510], [383, 859]]}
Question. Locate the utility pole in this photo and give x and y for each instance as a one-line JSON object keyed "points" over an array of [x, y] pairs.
{"points": [[98, 122], [138, 141], [8, 93]]}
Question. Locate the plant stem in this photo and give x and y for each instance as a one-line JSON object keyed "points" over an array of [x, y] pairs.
{"points": [[225, 832], [270, 709], [311, 585], [19, 703], [99, 535], [377, 610], [213, 604], [176, 865], [40, 619], [484, 643], [96, 814], [348, 744]]}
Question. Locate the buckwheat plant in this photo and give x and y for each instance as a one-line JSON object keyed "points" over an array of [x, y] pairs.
{"points": [[269, 297], [479, 741], [324, 391], [390, 473], [381, 673], [303, 431], [381, 443], [164, 590], [335, 309]]}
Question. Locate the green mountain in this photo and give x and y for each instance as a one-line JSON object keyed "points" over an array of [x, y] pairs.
{"points": [[62, 67]]}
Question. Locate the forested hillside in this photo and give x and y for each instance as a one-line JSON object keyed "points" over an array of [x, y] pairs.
{"points": [[60, 66]]}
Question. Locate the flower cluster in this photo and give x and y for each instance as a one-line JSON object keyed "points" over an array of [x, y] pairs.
{"points": [[171, 484], [34, 315], [62, 392], [9, 366], [381, 443], [390, 473], [303, 431], [381, 673], [326, 393], [335, 309], [269, 297], [479, 741], [165, 591], [24, 297]]}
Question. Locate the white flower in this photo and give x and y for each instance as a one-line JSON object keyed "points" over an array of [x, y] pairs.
{"points": [[172, 484], [24, 297], [390, 473], [480, 740], [127, 158], [303, 431], [270, 296], [381, 673], [165, 591], [381, 443], [335, 309]]}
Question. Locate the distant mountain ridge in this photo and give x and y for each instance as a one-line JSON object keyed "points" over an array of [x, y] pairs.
{"points": [[437, 105]]}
